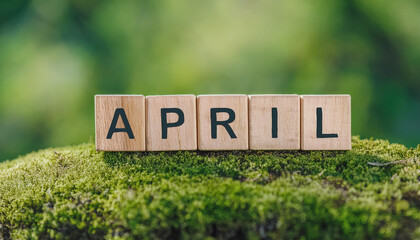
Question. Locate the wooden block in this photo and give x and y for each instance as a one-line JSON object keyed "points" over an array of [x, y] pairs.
{"points": [[222, 122], [120, 122], [274, 122], [326, 122], [171, 123]]}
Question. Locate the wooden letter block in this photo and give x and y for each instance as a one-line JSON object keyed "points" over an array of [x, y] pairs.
{"points": [[326, 122], [222, 122], [274, 122], [120, 122], [171, 123]]}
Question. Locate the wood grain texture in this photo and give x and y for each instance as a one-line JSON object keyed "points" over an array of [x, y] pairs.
{"points": [[134, 108], [224, 141], [183, 137], [336, 119], [261, 122]]}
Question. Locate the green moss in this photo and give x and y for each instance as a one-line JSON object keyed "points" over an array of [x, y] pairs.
{"points": [[78, 193]]}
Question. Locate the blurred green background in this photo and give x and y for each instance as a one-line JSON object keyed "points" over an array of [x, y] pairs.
{"points": [[55, 55]]}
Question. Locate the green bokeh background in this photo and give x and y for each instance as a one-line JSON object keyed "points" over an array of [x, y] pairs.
{"points": [[55, 55]]}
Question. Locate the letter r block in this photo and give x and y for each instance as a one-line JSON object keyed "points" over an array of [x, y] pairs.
{"points": [[325, 122], [171, 123], [222, 122], [274, 122], [120, 122]]}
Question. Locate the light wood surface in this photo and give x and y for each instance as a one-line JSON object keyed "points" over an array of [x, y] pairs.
{"points": [[134, 109], [182, 137], [222, 122], [336, 119], [286, 125], [224, 141]]}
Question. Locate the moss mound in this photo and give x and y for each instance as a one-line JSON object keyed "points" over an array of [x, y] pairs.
{"points": [[78, 193]]}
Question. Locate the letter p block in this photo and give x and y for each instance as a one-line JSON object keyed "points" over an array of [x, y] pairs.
{"points": [[120, 122], [222, 122], [171, 123]]}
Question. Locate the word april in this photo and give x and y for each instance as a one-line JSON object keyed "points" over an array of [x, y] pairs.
{"points": [[222, 122]]}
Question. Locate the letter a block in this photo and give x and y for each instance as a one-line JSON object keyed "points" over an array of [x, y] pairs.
{"points": [[274, 122], [222, 122], [326, 122], [171, 123], [120, 122]]}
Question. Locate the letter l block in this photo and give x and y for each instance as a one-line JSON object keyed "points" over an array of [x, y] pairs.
{"points": [[120, 122], [325, 122]]}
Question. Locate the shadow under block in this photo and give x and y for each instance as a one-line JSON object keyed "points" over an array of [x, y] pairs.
{"points": [[171, 123], [326, 122], [120, 122], [274, 122], [222, 122]]}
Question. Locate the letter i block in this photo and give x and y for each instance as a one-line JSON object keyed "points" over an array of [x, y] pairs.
{"points": [[120, 122], [274, 122], [171, 123], [326, 122], [222, 122]]}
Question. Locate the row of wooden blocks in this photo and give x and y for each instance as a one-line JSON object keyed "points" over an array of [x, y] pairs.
{"points": [[222, 122]]}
